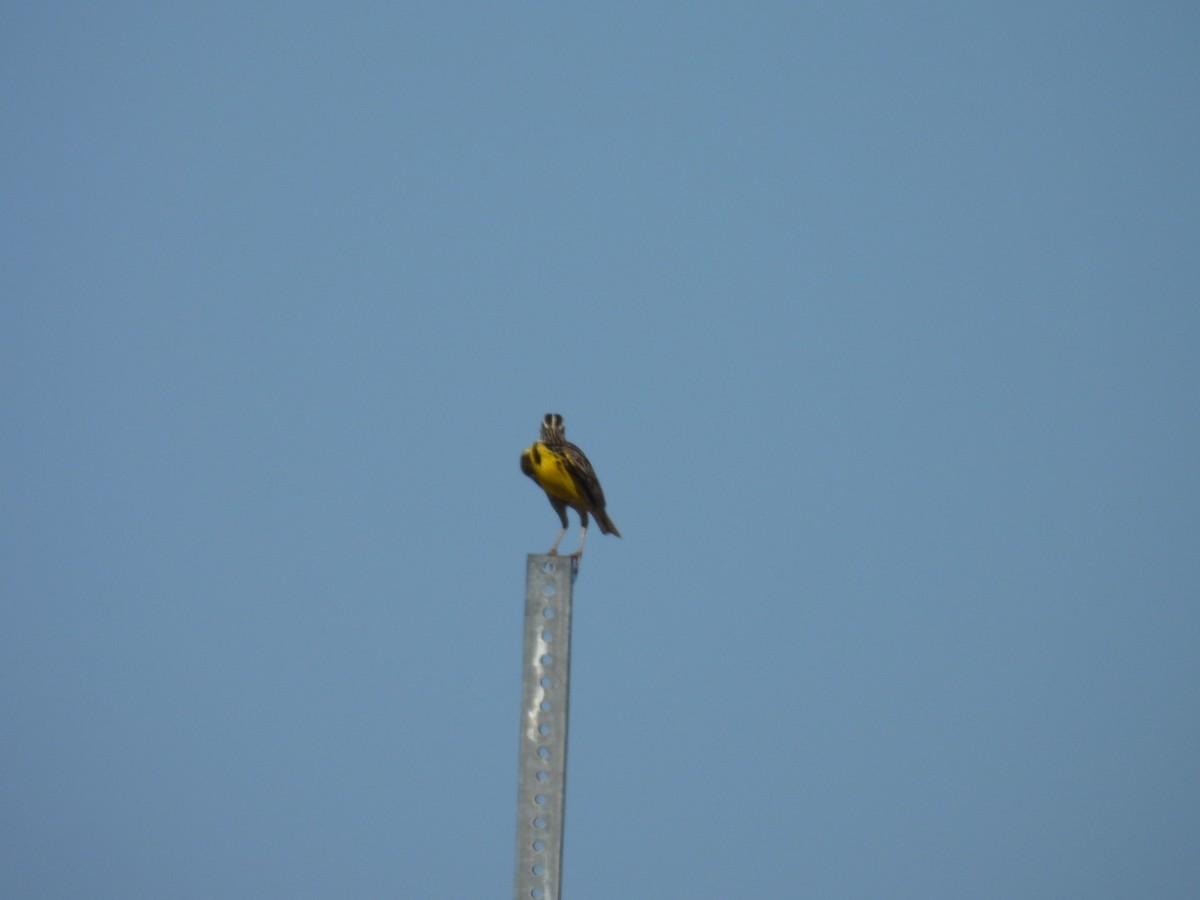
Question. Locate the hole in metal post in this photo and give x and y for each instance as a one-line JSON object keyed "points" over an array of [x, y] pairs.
{"points": [[537, 894], [546, 682], [544, 706], [537, 869], [543, 729], [540, 799], [546, 659], [543, 752], [542, 775], [539, 846], [539, 822], [548, 613], [547, 634], [548, 590]]}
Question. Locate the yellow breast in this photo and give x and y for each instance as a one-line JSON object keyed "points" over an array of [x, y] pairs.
{"points": [[550, 472]]}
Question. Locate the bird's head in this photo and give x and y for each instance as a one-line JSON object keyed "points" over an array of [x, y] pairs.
{"points": [[553, 429]]}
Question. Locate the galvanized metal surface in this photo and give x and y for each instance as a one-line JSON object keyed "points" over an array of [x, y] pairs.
{"points": [[542, 764]]}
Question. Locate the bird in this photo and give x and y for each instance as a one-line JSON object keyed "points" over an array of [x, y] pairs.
{"points": [[562, 470]]}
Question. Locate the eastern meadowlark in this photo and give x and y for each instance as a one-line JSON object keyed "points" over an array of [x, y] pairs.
{"points": [[564, 473]]}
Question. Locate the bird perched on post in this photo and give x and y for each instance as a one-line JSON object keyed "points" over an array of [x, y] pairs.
{"points": [[564, 473]]}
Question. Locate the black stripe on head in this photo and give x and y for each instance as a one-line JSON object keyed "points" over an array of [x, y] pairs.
{"points": [[553, 428]]}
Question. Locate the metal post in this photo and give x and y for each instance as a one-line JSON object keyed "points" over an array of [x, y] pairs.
{"points": [[542, 763]]}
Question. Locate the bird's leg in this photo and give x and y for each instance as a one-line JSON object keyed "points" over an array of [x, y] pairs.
{"points": [[583, 523], [561, 509]]}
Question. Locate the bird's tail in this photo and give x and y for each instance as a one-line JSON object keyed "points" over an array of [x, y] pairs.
{"points": [[605, 523]]}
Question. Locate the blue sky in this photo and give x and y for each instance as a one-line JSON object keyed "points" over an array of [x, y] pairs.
{"points": [[879, 324]]}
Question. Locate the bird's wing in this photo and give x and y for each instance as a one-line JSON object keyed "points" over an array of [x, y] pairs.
{"points": [[583, 475]]}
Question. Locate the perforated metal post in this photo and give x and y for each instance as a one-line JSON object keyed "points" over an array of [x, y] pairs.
{"points": [[542, 765]]}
